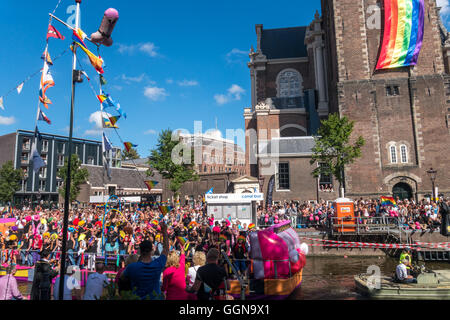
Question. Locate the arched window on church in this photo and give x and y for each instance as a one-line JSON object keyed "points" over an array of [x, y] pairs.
{"points": [[290, 84], [393, 150], [404, 153]]}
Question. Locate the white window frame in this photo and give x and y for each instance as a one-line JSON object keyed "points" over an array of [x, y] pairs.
{"points": [[45, 145], [42, 182], [393, 154], [404, 152]]}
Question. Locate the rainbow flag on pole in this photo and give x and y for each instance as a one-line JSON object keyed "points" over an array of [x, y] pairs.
{"points": [[165, 209], [403, 33], [388, 201], [151, 184], [129, 145]]}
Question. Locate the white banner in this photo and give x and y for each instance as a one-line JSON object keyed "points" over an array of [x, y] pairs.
{"points": [[234, 197]]}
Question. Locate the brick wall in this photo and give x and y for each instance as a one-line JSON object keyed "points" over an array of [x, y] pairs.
{"points": [[418, 122]]}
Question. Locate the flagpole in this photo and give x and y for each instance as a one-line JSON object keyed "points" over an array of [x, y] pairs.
{"points": [[69, 166]]}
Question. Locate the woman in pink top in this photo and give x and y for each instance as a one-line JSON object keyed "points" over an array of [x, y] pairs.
{"points": [[9, 289], [174, 277]]}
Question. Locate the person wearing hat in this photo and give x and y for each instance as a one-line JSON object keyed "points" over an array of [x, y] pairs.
{"points": [[145, 275]]}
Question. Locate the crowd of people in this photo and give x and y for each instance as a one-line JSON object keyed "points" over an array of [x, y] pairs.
{"points": [[170, 256], [94, 240], [408, 214]]}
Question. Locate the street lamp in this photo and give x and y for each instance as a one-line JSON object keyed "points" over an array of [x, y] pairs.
{"points": [[432, 174]]}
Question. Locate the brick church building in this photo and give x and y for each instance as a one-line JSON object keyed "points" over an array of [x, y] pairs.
{"points": [[300, 75]]}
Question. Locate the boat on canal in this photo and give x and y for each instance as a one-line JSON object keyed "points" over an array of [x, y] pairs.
{"points": [[431, 285], [276, 261]]}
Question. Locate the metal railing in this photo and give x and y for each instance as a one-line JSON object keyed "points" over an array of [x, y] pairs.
{"points": [[365, 225]]}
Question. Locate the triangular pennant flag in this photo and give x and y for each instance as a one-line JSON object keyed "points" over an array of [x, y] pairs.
{"points": [[53, 33], [38, 162], [43, 117], [47, 58], [150, 184], [97, 62], [114, 120], [129, 145], [210, 191], [19, 88], [107, 124], [46, 83], [1, 103]]}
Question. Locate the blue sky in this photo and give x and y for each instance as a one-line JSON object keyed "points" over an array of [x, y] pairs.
{"points": [[172, 63]]}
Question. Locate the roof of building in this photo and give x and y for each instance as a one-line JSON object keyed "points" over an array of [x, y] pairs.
{"points": [[284, 43], [143, 162], [123, 178], [294, 145]]}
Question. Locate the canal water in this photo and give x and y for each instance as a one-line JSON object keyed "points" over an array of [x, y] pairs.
{"points": [[331, 278]]}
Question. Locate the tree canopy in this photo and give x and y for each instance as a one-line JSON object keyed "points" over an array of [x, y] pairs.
{"points": [[173, 159], [333, 150], [10, 179], [78, 175]]}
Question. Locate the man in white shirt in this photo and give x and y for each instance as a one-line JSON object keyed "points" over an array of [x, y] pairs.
{"points": [[402, 273], [96, 282]]}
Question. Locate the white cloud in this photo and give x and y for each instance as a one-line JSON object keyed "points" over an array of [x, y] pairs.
{"points": [[93, 132], [151, 131], [7, 121], [236, 56], [119, 88], [96, 118], [187, 83], [445, 10], [155, 93], [148, 48], [234, 93], [133, 79], [221, 98]]}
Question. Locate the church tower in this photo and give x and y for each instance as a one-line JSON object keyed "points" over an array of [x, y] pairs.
{"points": [[402, 113]]}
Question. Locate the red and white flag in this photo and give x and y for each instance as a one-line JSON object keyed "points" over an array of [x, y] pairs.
{"points": [[53, 33]]}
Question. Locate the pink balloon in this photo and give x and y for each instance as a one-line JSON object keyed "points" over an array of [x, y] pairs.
{"points": [[311, 218], [396, 215], [418, 227], [267, 216], [317, 218], [266, 220]]}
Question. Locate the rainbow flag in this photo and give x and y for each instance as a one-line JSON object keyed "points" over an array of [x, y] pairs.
{"points": [[388, 201], [165, 209], [182, 240], [129, 145], [403, 33], [97, 62], [151, 184]]}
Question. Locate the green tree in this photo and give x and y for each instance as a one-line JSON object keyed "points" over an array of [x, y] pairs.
{"points": [[9, 181], [132, 155], [333, 150], [78, 176], [172, 162]]}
